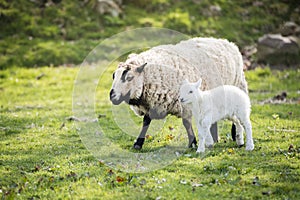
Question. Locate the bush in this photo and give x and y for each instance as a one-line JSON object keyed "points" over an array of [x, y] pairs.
{"points": [[179, 21]]}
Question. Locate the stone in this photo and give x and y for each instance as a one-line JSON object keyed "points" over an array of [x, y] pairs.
{"points": [[109, 7], [278, 49], [290, 28]]}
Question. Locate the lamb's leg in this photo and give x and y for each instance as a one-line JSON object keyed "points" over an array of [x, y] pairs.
{"points": [[201, 137], [203, 132], [187, 122], [248, 129], [249, 139], [140, 140], [214, 132]]}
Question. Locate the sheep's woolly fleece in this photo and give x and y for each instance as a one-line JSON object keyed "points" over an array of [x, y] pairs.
{"points": [[216, 61]]}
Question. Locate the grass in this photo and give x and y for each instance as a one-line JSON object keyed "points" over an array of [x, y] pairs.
{"points": [[42, 156], [39, 33]]}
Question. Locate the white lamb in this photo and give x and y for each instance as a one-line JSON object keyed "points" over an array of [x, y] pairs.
{"points": [[213, 105]]}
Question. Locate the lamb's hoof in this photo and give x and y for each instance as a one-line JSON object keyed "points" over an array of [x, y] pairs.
{"points": [[200, 151], [249, 147], [241, 145], [210, 146]]}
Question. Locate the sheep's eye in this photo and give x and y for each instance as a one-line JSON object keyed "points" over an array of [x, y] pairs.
{"points": [[129, 78], [113, 75], [190, 92]]}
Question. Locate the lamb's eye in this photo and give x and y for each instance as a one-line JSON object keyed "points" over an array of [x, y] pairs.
{"points": [[190, 92], [113, 75]]}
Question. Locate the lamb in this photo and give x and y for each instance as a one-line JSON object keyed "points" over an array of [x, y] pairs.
{"points": [[150, 81], [210, 106]]}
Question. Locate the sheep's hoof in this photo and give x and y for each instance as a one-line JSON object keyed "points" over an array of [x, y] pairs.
{"points": [[241, 145], [139, 143], [210, 146], [137, 147], [193, 144]]}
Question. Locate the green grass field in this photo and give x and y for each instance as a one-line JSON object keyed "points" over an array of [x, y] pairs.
{"points": [[42, 156]]}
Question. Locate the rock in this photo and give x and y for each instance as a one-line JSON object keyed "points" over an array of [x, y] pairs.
{"points": [[248, 53], [278, 49], [215, 9], [290, 28], [109, 7]]}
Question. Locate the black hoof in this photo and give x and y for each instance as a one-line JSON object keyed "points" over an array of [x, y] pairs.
{"points": [[139, 143], [210, 146], [137, 147], [193, 144], [240, 146]]}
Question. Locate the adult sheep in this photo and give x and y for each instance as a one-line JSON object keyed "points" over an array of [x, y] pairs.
{"points": [[150, 81]]}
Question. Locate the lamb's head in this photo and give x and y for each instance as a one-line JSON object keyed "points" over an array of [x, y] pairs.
{"points": [[127, 84], [189, 91]]}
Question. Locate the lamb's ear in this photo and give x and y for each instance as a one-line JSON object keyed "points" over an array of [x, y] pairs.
{"points": [[185, 81], [198, 83], [140, 68]]}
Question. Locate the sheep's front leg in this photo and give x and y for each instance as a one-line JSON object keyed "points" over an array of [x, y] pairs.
{"points": [[188, 126], [141, 139]]}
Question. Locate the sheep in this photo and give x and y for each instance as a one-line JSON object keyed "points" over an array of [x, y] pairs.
{"points": [[152, 89], [210, 106]]}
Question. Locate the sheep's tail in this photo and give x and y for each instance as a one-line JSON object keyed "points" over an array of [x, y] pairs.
{"points": [[240, 75], [243, 83]]}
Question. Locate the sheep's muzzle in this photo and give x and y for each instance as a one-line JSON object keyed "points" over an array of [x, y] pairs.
{"points": [[117, 101]]}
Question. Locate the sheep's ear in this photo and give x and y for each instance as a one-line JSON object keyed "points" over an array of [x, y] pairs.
{"points": [[198, 83], [141, 68], [131, 55], [120, 64]]}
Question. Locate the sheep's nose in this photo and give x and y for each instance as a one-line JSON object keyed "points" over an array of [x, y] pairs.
{"points": [[111, 93]]}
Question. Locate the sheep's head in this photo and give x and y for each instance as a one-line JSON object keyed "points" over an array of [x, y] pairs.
{"points": [[189, 91], [127, 84]]}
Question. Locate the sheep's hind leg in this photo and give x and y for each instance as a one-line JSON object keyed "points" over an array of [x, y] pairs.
{"points": [[233, 132], [141, 139], [187, 122], [214, 132], [239, 132]]}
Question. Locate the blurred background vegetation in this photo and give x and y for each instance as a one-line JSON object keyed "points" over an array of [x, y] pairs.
{"points": [[37, 33]]}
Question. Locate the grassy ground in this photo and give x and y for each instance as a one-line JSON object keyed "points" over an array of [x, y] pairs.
{"points": [[42, 156]]}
